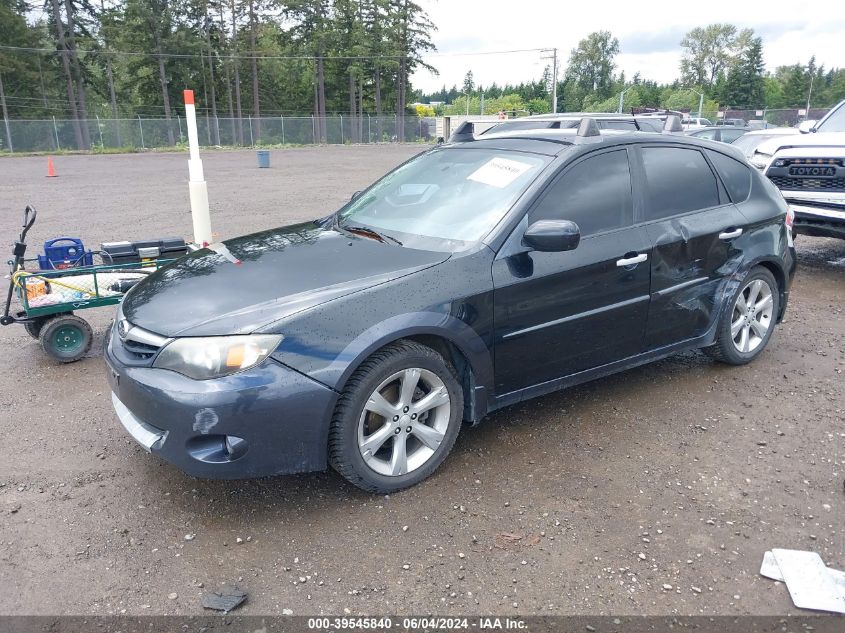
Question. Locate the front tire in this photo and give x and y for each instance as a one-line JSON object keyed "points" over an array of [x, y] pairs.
{"points": [[397, 419], [747, 324]]}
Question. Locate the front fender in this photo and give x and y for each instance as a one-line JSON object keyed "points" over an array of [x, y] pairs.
{"points": [[334, 369]]}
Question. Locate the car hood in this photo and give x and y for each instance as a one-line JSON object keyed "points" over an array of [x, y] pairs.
{"points": [[821, 140], [240, 285]]}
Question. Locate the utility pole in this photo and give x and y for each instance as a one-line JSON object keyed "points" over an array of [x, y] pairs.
{"points": [[622, 99], [553, 57], [700, 100], [6, 116], [809, 94]]}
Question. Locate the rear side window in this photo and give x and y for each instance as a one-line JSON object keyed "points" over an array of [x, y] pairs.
{"points": [[618, 125], [650, 125], [735, 175], [711, 134], [729, 136], [595, 194], [678, 180]]}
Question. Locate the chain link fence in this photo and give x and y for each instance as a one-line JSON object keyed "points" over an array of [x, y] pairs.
{"points": [[764, 117], [51, 135]]}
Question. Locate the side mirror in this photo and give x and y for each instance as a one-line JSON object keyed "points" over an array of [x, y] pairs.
{"points": [[552, 236], [807, 126], [355, 195]]}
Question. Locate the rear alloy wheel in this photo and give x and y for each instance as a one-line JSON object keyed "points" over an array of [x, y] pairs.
{"points": [[747, 326], [397, 419], [752, 316]]}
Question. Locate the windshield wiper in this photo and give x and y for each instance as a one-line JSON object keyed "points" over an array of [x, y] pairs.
{"points": [[364, 230]]}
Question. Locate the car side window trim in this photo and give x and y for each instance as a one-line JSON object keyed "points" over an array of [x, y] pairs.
{"points": [[512, 243], [569, 166], [723, 189], [639, 183]]}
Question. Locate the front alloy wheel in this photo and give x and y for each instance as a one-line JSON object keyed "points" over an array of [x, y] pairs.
{"points": [[396, 419], [404, 421]]}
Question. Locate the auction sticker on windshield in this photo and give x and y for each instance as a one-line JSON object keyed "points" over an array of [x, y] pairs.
{"points": [[499, 172]]}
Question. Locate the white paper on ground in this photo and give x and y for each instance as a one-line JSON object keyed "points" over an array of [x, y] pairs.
{"points": [[811, 584], [499, 172], [770, 569]]}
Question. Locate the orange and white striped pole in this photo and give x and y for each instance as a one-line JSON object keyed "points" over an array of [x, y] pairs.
{"points": [[196, 180]]}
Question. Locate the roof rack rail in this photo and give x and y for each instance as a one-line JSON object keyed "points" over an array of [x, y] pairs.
{"points": [[588, 127], [672, 125], [464, 133]]}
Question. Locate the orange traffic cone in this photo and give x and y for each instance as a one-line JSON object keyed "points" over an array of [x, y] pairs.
{"points": [[51, 172]]}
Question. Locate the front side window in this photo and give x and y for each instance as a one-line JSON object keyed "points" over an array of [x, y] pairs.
{"points": [[678, 180], [595, 194], [456, 195]]}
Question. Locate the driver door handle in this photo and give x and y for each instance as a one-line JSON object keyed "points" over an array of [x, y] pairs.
{"points": [[632, 261], [730, 234]]}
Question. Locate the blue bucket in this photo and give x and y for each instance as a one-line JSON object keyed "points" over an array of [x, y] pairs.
{"points": [[263, 158]]}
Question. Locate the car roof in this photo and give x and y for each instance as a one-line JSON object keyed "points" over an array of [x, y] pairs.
{"points": [[781, 131], [552, 142], [554, 116], [699, 130]]}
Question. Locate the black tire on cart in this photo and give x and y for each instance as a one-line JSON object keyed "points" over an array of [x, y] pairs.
{"points": [[33, 328], [66, 338]]}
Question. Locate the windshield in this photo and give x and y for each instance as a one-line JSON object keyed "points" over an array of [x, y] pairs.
{"points": [[455, 194], [835, 122]]}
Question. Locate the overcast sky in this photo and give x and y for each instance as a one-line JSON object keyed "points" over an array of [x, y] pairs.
{"points": [[649, 34]]}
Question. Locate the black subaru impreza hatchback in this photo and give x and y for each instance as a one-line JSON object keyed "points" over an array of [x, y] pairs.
{"points": [[476, 275]]}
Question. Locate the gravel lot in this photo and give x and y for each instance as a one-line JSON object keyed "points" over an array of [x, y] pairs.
{"points": [[655, 491]]}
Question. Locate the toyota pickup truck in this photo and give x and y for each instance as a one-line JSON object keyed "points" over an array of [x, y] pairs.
{"points": [[809, 170]]}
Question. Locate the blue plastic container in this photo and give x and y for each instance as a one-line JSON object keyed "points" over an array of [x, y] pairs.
{"points": [[263, 158], [63, 252]]}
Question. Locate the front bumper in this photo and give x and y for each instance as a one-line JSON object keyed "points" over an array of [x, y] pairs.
{"points": [[268, 420], [818, 219]]}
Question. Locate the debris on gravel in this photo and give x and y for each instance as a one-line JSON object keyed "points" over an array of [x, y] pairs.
{"points": [[224, 600]]}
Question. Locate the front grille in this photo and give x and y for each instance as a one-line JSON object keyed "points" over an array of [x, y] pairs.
{"points": [[812, 161], [139, 350], [133, 345], [808, 184]]}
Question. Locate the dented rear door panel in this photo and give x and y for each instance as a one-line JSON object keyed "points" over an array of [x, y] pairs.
{"points": [[689, 265]]}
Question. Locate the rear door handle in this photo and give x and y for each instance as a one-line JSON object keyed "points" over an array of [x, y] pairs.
{"points": [[729, 235], [632, 261]]}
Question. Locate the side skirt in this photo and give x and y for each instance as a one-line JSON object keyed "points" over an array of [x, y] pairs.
{"points": [[604, 370]]}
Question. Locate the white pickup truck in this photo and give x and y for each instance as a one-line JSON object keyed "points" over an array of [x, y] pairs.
{"points": [[809, 169]]}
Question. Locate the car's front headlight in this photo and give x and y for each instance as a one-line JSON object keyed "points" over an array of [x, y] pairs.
{"points": [[214, 356], [761, 160]]}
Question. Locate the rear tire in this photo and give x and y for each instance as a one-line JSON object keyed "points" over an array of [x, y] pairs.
{"points": [[397, 418], [747, 323], [66, 338]]}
